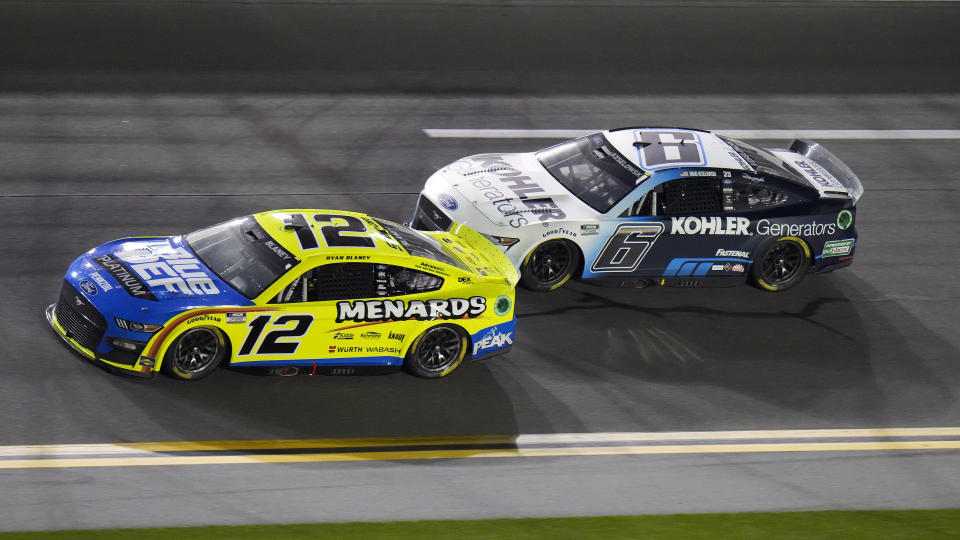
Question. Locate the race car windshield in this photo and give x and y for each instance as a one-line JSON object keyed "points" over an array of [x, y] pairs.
{"points": [[761, 160], [418, 244], [242, 254], [592, 169]]}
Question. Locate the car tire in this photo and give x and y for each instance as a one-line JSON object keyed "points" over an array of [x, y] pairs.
{"points": [[195, 354], [550, 265], [437, 351], [781, 264]]}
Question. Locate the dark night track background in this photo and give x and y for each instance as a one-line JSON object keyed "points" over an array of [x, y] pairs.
{"points": [[133, 118]]}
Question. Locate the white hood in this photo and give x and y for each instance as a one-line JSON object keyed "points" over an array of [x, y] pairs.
{"points": [[513, 190]]}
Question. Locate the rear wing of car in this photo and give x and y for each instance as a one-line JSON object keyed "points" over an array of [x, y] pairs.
{"points": [[490, 261], [816, 153]]}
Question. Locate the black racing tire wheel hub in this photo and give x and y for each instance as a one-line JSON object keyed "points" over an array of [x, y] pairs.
{"points": [[549, 265], [196, 350], [440, 348], [782, 263]]}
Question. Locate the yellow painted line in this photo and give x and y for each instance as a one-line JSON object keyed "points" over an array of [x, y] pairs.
{"points": [[519, 440], [466, 454], [261, 444]]}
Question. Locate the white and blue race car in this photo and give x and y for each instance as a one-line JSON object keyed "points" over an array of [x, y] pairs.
{"points": [[634, 207]]}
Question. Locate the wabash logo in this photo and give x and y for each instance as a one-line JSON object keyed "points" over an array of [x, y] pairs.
{"points": [[659, 149], [421, 310]]}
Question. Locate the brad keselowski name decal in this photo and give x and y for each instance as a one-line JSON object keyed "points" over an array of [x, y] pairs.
{"points": [[421, 310], [522, 186], [131, 283]]}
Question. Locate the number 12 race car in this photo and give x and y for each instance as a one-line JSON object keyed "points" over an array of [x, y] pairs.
{"points": [[643, 206], [304, 290]]}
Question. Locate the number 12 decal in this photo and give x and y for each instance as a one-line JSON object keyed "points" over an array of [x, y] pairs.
{"points": [[332, 229], [627, 246], [270, 343]]}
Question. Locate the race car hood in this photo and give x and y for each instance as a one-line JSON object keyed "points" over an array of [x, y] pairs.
{"points": [[513, 190], [148, 280]]}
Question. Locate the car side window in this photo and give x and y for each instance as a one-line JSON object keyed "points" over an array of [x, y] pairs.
{"points": [[346, 281], [746, 196], [690, 197], [398, 280], [644, 206]]}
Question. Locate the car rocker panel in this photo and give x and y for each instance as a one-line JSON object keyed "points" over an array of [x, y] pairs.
{"points": [[693, 209], [132, 304]]}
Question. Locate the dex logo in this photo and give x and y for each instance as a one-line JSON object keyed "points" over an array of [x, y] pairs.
{"points": [[659, 149]]}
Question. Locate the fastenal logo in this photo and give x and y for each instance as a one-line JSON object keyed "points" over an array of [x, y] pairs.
{"points": [[733, 253]]}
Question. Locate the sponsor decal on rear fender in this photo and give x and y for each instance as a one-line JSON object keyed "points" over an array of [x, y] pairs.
{"points": [[494, 338], [838, 248]]}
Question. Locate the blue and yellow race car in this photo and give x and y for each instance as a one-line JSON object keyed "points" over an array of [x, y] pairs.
{"points": [[297, 290]]}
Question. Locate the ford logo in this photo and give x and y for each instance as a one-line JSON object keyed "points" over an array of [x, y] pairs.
{"points": [[448, 202], [88, 287]]}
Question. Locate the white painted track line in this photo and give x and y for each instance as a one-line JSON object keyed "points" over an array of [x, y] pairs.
{"points": [[824, 134]]}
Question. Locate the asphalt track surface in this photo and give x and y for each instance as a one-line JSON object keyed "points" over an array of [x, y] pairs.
{"points": [[875, 345]]}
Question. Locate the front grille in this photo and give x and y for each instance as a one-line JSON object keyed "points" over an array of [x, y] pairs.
{"points": [[79, 318], [428, 217]]}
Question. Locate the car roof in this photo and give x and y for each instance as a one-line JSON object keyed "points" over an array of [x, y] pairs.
{"points": [[713, 152], [275, 223]]}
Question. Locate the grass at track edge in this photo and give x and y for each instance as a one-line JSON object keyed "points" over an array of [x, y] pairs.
{"points": [[889, 525]]}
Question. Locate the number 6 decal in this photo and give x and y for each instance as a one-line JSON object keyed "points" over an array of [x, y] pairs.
{"points": [[627, 247], [270, 345]]}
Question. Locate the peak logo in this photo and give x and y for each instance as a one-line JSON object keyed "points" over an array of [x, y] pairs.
{"points": [[494, 339], [710, 225]]}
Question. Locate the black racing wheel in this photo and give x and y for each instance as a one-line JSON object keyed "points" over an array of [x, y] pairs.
{"points": [[549, 265], [781, 264], [195, 354], [437, 352]]}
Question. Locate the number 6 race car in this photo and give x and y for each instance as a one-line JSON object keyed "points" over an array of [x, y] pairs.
{"points": [[664, 206], [305, 290]]}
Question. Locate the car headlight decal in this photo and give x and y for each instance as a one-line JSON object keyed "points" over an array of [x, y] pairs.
{"points": [[137, 326]]}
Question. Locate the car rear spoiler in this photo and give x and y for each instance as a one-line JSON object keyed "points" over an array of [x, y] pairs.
{"points": [[493, 262], [823, 157]]}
